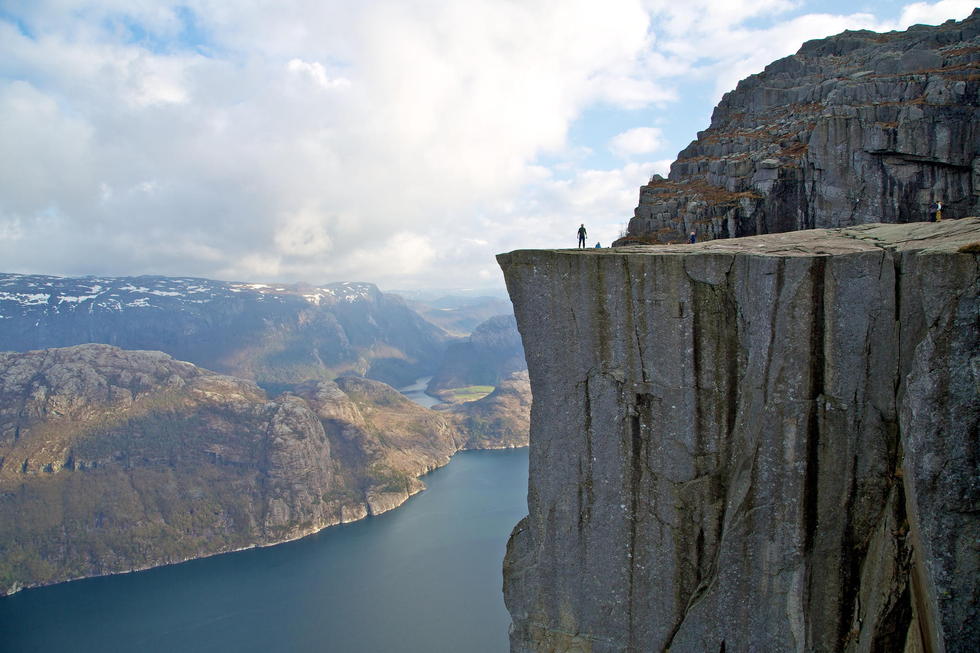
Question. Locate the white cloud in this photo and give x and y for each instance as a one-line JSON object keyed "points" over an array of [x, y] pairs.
{"points": [[548, 214], [317, 73], [303, 234], [400, 255], [323, 140], [924, 13], [639, 140], [445, 106], [661, 167]]}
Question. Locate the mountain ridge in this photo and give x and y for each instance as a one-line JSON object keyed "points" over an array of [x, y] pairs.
{"points": [[275, 334], [855, 128]]}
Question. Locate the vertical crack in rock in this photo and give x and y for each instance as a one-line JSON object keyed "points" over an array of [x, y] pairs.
{"points": [[585, 475], [639, 427], [811, 481], [777, 295], [635, 312], [894, 627], [701, 306]]}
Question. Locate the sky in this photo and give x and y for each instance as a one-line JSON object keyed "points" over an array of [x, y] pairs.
{"points": [[401, 142]]}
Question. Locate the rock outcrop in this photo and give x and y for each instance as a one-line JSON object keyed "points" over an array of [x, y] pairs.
{"points": [[114, 460], [274, 334], [856, 128], [767, 443]]}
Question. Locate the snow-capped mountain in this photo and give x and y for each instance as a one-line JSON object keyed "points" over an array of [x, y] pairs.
{"points": [[273, 333]]}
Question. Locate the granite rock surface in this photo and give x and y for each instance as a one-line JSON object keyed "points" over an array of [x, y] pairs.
{"points": [[766, 443]]}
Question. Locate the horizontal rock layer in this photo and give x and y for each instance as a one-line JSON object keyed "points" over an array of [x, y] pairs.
{"points": [[857, 128], [766, 443]]}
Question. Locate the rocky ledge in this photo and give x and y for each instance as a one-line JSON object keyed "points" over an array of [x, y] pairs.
{"points": [[766, 443], [856, 128]]}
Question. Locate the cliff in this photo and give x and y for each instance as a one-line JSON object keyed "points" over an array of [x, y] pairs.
{"points": [[856, 128], [114, 460], [766, 443]]}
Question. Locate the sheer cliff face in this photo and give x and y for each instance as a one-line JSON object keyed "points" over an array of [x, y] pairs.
{"points": [[767, 443], [853, 129]]}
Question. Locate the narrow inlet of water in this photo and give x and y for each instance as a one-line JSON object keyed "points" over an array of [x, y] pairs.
{"points": [[416, 392]]}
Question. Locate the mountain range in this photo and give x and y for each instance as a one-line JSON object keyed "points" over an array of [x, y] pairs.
{"points": [[274, 334]]}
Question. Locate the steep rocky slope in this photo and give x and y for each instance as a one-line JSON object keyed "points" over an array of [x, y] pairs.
{"points": [[766, 443], [499, 420], [113, 460], [384, 439], [857, 128], [489, 355], [272, 333]]}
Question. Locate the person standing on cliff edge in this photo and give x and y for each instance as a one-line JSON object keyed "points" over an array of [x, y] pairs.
{"points": [[581, 237], [693, 238]]}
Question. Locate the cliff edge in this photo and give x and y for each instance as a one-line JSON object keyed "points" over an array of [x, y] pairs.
{"points": [[767, 443]]}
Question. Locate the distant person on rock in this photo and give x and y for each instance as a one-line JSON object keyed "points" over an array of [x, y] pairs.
{"points": [[935, 212], [581, 236], [598, 245], [693, 238]]}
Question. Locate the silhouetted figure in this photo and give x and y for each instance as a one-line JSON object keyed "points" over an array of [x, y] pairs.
{"points": [[598, 245], [581, 236]]}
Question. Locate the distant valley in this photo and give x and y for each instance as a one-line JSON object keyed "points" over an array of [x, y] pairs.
{"points": [[460, 315], [213, 416], [273, 334], [488, 356]]}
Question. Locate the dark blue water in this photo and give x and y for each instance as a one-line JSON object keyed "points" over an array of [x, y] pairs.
{"points": [[424, 577]]}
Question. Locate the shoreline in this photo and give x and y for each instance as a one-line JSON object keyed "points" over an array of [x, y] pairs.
{"points": [[16, 589]]}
